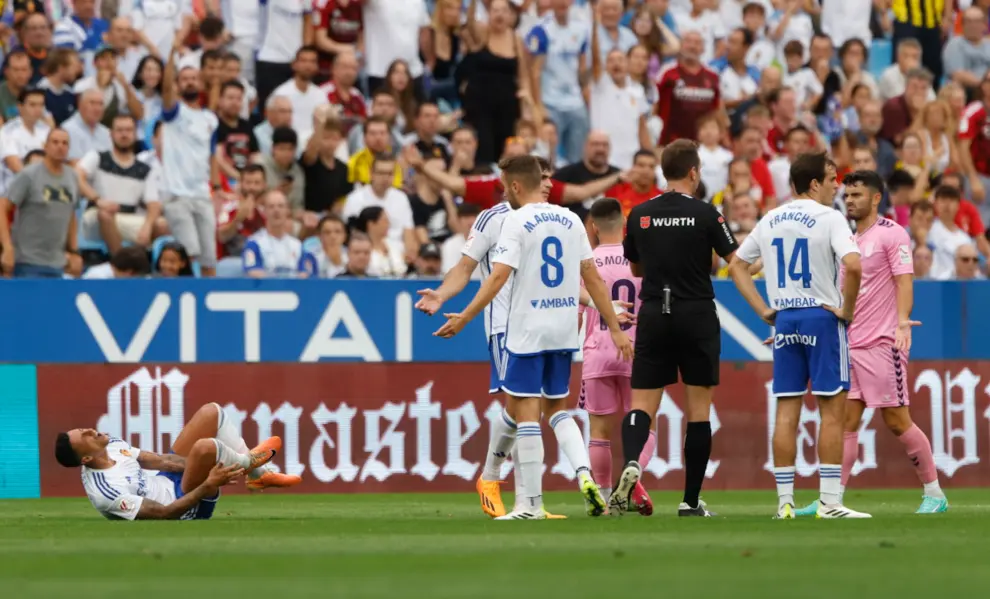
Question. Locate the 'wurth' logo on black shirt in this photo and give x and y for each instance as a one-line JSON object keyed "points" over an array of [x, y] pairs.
{"points": [[667, 222]]}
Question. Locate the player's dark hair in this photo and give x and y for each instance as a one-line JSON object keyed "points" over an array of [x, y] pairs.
{"points": [[525, 170], [898, 180], [132, 259], [806, 169], [544, 164], [64, 453], [468, 210], [923, 206], [679, 158], [606, 213], [869, 179], [944, 192]]}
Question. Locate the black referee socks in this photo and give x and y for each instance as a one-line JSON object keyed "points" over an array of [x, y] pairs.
{"points": [[636, 428], [697, 450]]}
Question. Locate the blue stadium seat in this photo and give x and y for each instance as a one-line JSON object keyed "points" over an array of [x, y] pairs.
{"points": [[881, 56]]}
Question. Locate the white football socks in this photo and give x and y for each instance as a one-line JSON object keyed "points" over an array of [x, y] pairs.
{"points": [[570, 440], [228, 457], [830, 481], [784, 476], [529, 446], [933, 489], [232, 439], [499, 446]]}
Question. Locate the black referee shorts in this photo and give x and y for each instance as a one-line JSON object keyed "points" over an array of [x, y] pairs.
{"points": [[688, 341]]}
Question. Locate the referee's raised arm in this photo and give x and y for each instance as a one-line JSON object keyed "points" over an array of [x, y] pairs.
{"points": [[669, 242]]}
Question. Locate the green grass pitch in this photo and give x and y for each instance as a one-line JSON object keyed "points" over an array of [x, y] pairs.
{"points": [[442, 546]]}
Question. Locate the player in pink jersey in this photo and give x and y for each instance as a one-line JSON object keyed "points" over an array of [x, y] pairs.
{"points": [[606, 386], [880, 337]]}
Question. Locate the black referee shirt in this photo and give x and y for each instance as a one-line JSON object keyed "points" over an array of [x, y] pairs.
{"points": [[672, 237]]}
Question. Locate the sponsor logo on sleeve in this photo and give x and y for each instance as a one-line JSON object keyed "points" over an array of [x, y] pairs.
{"points": [[904, 252]]}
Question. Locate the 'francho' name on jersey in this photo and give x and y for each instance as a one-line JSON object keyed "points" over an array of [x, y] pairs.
{"points": [[796, 240], [545, 245]]}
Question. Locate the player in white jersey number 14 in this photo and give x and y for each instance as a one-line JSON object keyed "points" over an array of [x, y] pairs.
{"points": [[801, 244], [546, 250]]}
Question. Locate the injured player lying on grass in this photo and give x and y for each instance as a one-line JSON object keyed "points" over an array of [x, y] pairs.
{"points": [[122, 484]]}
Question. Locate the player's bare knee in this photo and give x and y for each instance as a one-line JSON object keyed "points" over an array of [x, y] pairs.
{"points": [[600, 425], [203, 448]]}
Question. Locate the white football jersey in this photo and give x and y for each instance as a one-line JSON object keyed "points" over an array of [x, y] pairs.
{"points": [[480, 247], [117, 492], [802, 244], [545, 244]]}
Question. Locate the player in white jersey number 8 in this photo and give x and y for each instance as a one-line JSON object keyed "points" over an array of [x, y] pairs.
{"points": [[547, 250]]}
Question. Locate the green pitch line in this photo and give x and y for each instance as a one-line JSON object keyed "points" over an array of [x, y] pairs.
{"points": [[442, 546]]}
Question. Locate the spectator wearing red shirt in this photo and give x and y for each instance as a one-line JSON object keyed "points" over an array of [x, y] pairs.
{"points": [[687, 91], [783, 112], [641, 185], [974, 134], [749, 146], [240, 217], [899, 113], [339, 28], [487, 190], [347, 100]]}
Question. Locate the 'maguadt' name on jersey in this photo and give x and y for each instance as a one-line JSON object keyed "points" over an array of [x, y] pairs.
{"points": [[482, 247], [801, 244], [544, 245]]}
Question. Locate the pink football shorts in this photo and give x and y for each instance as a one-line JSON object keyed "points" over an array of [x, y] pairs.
{"points": [[606, 395], [878, 376]]}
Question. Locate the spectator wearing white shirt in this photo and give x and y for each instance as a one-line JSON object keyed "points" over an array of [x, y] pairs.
{"points": [[612, 35], [23, 134], [123, 194], [738, 81], [808, 89], [118, 95], [852, 70], [395, 30], [304, 95], [187, 140], [967, 264], [381, 193], [130, 45], [893, 80], [285, 28], [844, 20], [274, 251], [797, 141], [86, 132], [81, 30], [763, 52], [945, 237], [157, 19], [706, 21], [715, 159], [242, 19], [618, 105], [330, 258], [388, 256], [792, 24]]}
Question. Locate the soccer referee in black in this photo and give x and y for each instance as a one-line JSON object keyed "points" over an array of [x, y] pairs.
{"points": [[669, 242]]}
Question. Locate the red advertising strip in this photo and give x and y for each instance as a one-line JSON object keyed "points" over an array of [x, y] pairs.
{"points": [[425, 427]]}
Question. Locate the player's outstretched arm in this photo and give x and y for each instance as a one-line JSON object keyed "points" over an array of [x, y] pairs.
{"points": [[739, 270], [218, 477], [603, 303], [489, 289], [163, 463], [456, 279]]}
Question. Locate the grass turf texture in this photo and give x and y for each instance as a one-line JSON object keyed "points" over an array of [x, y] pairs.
{"points": [[442, 546]]}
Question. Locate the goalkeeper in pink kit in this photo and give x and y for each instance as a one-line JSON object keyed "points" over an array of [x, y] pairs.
{"points": [[606, 385], [880, 338]]}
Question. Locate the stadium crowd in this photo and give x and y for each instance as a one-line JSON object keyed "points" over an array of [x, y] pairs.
{"points": [[360, 138]]}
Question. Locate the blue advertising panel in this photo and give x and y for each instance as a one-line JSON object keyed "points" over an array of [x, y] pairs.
{"points": [[210, 321]]}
